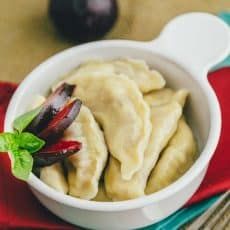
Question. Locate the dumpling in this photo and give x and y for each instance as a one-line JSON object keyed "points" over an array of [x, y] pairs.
{"points": [[124, 116], [164, 96], [164, 122], [95, 66], [175, 160], [137, 70], [101, 195], [116, 187], [53, 176], [85, 167]]}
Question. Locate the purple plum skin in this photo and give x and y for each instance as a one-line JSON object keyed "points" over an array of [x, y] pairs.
{"points": [[56, 152], [51, 107], [61, 121], [83, 20]]}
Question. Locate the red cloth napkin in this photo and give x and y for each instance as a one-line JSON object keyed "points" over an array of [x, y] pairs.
{"points": [[19, 208]]}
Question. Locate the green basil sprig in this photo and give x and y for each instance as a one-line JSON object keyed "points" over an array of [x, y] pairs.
{"points": [[22, 163], [21, 122], [21, 145]]}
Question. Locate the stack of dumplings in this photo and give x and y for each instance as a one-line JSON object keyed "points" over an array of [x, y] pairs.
{"points": [[134, 135]]}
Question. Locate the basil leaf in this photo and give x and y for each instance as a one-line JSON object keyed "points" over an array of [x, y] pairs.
{"points": [[21, 164], [29, 142], [21, 122], [6, 141]]}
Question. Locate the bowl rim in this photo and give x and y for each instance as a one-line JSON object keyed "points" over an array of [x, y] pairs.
{"points": [[200, 164]]}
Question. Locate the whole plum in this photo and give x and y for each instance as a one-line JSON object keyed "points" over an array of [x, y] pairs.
{"points": [[83, 20]]}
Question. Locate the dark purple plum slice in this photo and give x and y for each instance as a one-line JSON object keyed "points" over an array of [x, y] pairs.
{"points": [[61, 121], [54, 103], [56, 152]]}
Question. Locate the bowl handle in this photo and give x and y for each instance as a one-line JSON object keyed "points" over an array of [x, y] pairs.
{"points": [[197, 41]]}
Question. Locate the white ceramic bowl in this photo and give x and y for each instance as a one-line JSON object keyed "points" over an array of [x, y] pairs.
{"points": [[188, 46]]}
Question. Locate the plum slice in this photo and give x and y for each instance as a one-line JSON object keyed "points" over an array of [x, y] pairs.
{"points": [[51, 107], [61, 121], [56, 152]]}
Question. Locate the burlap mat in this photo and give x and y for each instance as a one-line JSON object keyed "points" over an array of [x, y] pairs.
{"points": [[27, 37]]}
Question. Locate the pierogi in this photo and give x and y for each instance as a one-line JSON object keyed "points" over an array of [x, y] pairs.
{"points": [[84, 169], [164, 96], [175, 160], [164, 118], [54, 177], [134, 135], [101, 195], [137, 70], [124, 116]]}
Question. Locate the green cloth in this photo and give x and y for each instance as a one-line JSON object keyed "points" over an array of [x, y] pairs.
{"points": [[183, 216], [226, 17]]}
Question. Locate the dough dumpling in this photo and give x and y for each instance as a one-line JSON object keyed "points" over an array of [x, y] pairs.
{"points": [[124, 116], [95, 67], [138, 71], [85, 167], [53, 176], [164, 96], [175, 160], [164, 122], [135, 69], [101, 195]]}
